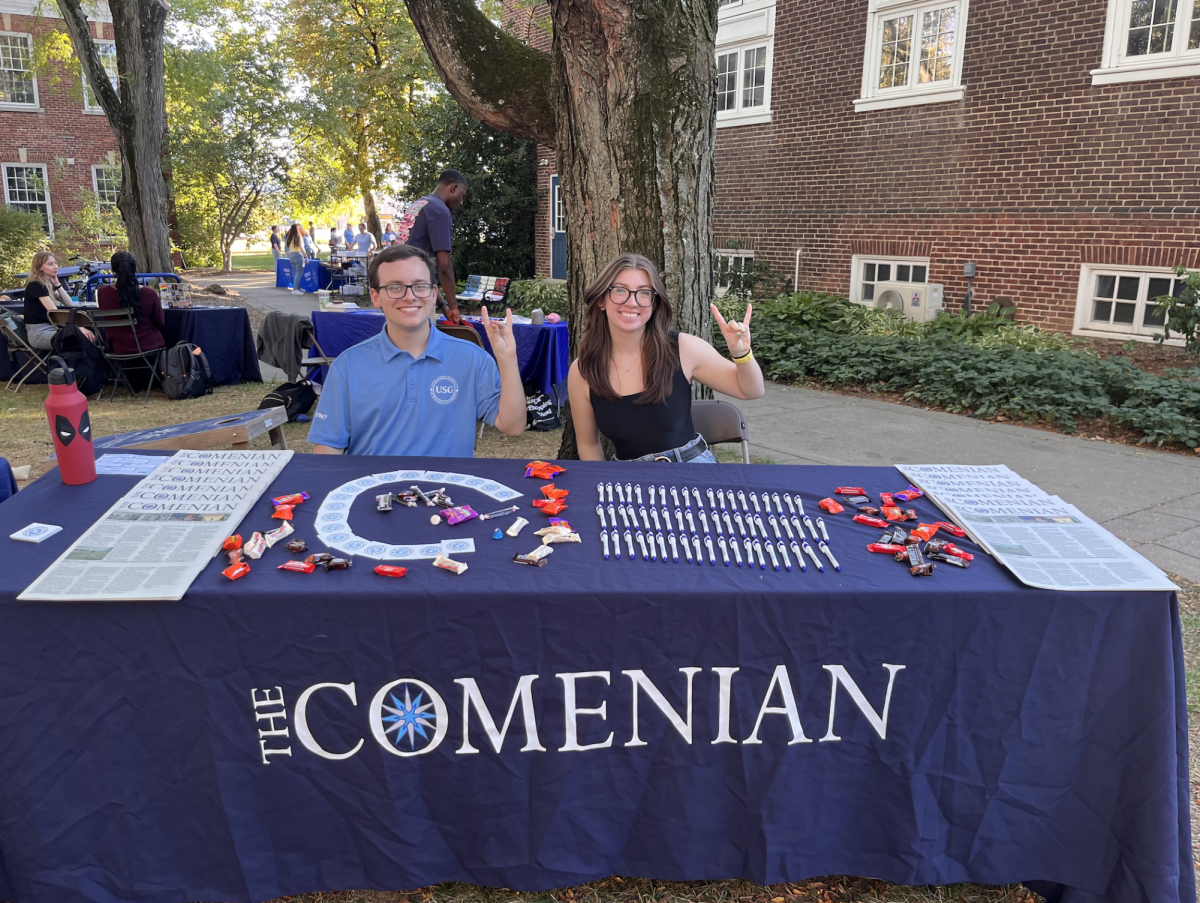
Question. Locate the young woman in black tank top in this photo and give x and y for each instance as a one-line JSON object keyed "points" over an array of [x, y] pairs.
{"points": [[632, 380]]}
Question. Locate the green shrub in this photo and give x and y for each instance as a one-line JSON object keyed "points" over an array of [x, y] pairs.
{"points": [[1182, 313], [862, 320], [526, 294], [21, 236], [975, 325]]}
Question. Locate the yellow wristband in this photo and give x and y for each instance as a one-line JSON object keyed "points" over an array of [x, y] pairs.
{"points": [[746, 358]]}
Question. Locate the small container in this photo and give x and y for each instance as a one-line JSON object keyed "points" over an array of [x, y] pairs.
{"points": [[323, 299], [537, 317]]}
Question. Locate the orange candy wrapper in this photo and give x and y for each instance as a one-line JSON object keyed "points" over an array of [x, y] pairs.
{"points": [[543, 470], [550, 506], [551, 491], [831, 506], [283, 512], [924, 532], [234, 571], [233, 542]]}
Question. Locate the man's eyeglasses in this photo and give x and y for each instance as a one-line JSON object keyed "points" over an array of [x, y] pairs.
{"points": [[422, 291], [643, 297]]}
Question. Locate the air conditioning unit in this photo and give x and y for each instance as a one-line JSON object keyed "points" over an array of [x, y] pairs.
{"points": [[920, 301]]}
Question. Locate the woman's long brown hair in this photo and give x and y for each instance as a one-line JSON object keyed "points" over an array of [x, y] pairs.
{"points": [[660, 356]]}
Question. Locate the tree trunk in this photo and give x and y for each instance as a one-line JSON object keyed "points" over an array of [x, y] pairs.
{"points": [[634, 130], [136, 115], [374, 226], [227, 256]]}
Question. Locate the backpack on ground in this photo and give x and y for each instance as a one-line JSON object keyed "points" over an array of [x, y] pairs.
{"points": [[186, 373], [409, 218], [296, 398], [541, 413], [82, 355]]}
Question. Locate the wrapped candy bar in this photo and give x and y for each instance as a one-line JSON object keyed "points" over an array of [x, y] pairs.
{"points": [[294, 499], [548, 506], [233, 542], [886, 548], [440, 499], [924, 532], [318, 558], [283, 512], [909, 494], [868, 509], [922, 570], [235, 571], [850, 490], [540, 552], [423, 497], [892, 513], [962, 554], [559, 534], [949, 559], [458, 515], [543, 470], [256, 545], [338, 564], [444, 561], [383, 502], [525, 559], [407, 498], [297, 545], [551, 491], [512, 509], [885, 498], [515, 528], [389, 570], [950, 528], [556, 528], [285, 530], [870, 521], [831, 506], [300, 567]]}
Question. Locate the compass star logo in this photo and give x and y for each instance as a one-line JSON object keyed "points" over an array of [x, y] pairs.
{"points": [[408, 718]]}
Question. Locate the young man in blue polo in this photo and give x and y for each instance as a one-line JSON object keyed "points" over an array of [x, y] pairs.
{"points": [[413, 390]]}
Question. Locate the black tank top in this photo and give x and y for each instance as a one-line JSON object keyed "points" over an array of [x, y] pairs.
{"points": [[644, 429]]}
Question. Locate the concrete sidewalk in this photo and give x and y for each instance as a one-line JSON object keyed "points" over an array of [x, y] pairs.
{"points": [[1148, 498]]}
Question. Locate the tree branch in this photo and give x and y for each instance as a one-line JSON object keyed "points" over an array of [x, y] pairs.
{"points": [[75, 18], [497, 79]]}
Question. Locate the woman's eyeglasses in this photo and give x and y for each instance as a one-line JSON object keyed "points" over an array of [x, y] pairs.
{"points": [[643, 297], [422, 291]]}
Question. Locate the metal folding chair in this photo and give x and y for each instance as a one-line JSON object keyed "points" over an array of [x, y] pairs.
{"points": [[720, 421], [122, 318], [13, 329]]}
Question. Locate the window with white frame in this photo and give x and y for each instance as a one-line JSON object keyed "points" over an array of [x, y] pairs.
{"points": [[730, 263], [18, 84], [913, 53], [25, 188], [1113, 300], [106, 181], [1150, 39], [108, 58], [745, 36], [558, 216], [868, 272]]}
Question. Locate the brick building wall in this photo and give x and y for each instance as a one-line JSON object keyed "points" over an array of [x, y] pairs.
{"points": [[1033, 173], [58, 133]]}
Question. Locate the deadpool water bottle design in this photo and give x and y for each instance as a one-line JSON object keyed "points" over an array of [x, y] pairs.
{"points": [[70, 426]]}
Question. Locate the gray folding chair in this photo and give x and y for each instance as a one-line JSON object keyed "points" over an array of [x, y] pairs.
{"points": [[12, 327], [720, 421]]}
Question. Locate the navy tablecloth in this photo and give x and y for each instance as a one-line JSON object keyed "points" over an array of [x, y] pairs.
{"points": [[225, 337], [223, 333], [315, 275], [543, 352], [961, 727]]}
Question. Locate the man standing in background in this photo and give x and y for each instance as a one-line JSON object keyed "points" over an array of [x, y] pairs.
{"points": [[276, 243], [364, 241], [432, 228], [348, 235]]}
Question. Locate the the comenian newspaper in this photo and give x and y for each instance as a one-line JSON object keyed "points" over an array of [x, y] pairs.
{"points": [[154, 542], [1044, 541]]}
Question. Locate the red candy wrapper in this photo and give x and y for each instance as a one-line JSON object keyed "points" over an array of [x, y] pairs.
{"points": [[952, 529], [543, 470], [885, 500], [233, 542], [283, 512], [389, 570], [886, 548], [549, 506], [924, 532], [300, 567], [458, 515], [551, 491], [831, 506], [870, 521], [951, 549], [909, 494], [892, 513], [234, 571], [850, 490], [294, 499]]}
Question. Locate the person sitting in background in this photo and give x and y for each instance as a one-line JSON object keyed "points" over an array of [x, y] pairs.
{"points": [[43, 293], [294, 243], [333, 241], [143, 302], [632, 379], [411, 389]]}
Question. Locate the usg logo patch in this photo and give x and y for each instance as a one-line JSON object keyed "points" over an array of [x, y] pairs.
{"points": [[444, 389]]}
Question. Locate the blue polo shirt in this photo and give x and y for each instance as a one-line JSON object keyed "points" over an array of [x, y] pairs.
{"points": [[378, 400]]}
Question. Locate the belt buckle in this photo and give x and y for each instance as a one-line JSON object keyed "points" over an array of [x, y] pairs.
{"points": [[662, 458]]}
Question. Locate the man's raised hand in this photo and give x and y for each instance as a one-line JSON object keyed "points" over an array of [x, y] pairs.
{"points": [[500, 334]]}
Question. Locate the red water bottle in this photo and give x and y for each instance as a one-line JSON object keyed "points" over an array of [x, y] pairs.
{"points": [[67, 411]]}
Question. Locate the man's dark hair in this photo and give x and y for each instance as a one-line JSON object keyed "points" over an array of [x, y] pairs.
{"points": [[452, 177], [399, 252]]}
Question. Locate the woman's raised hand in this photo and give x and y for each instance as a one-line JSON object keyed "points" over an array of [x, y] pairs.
{"points": [[736, 333]]}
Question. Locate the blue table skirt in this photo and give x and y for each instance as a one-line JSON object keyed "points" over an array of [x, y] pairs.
{"points": [[316, 276], [543, 352], [225, 337], [223, 333], [1028, 735]]}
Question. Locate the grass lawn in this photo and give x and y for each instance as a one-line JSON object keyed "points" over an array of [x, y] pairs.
{"points": [[25, 439], [254, 260]]}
